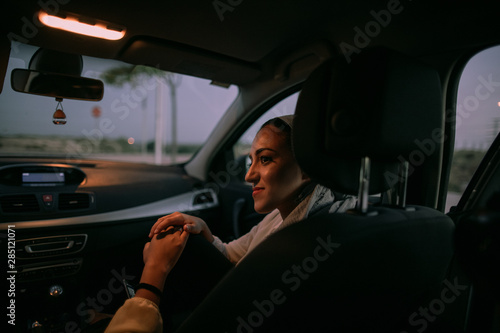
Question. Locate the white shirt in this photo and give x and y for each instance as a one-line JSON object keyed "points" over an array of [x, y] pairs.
{"points": [[315, 201]]}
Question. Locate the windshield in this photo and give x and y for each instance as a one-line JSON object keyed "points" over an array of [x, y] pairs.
{"points": [[146, 115]]}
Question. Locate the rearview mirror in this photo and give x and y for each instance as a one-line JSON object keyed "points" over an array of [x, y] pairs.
{"points": [[56, 85]]}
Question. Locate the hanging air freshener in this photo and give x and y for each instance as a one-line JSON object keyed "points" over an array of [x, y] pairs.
{"points": [[59, 117]]}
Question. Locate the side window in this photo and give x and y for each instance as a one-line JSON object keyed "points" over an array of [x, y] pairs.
{"points": [[477, 119], [285, 107]]}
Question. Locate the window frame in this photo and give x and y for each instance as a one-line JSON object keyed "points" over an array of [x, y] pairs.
{"points": [[469, 198]]}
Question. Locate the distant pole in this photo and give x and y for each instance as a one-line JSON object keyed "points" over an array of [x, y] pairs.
{"points": [[159, 123], [496, 128], [173, 81], [173, 96], [144, 139]]}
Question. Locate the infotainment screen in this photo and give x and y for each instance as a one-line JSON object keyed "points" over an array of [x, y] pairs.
{"points": [[43, 177]]}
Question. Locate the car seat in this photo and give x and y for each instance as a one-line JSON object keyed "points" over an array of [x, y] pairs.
{"points": [[373, 269]]}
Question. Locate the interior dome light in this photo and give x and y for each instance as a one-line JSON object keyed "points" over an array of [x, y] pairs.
{"points": [[75, 25]]}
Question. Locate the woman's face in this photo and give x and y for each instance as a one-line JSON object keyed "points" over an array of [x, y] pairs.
{"points": [[274, 173]]}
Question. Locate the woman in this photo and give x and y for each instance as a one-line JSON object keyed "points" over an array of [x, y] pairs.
{"points": [[280, 189]]}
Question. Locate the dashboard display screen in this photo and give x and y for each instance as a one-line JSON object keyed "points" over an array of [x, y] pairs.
{"points": [[43, 177]]}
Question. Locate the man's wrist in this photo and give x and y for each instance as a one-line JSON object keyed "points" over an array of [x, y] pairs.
{"points": [[155, 290], [158, 268], [155, 276]]}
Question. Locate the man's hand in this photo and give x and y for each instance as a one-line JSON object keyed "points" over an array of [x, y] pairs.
{"points": [[160, 256], [165, 247]]}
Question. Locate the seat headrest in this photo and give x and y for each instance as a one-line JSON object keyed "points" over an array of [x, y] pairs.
{"points": [[381, 105]]}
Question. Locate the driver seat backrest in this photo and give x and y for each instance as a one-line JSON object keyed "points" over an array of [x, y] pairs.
{"points": [[368, 270]]}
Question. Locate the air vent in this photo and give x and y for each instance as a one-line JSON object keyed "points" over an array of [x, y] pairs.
{"points": [[203, 198], [72, 201], [19, 203]]}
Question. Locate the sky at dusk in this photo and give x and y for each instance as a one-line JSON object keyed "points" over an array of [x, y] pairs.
{"points": [[130, 111], [478, 108]]}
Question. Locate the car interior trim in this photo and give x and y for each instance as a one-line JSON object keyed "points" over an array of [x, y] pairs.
{"points": [[184, 202]]}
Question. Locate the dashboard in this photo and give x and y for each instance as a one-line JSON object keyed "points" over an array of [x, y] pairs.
{"points": [[62, 210], [78, 229], [76, 193]]}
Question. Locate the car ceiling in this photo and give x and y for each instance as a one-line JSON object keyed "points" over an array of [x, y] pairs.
{"points": [[250, 38]]}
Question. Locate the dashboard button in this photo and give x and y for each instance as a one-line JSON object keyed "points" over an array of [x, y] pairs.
{"points": [[48, 200]]}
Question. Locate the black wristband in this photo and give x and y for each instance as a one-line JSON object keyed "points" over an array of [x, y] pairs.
{"points": [[149, 287]]}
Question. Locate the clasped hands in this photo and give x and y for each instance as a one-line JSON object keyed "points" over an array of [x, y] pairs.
{"points": [[169, 236]]}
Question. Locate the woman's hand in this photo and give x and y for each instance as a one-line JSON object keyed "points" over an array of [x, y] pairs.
{"points": [[191, 224]]}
